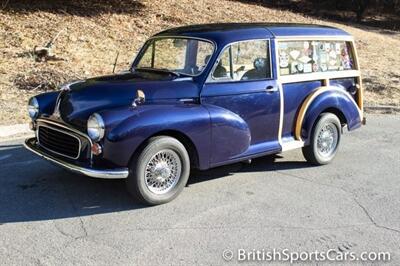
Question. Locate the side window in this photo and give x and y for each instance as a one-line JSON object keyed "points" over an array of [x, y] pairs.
{"points": [[297, 57], [204, 52], [222, 70], [247, 60]]}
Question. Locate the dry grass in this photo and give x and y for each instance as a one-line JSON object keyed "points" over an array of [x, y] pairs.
{"points": [[90, 41]]}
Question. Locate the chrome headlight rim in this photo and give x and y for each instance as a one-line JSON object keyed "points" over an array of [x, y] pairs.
{"points": [[33, 108], [95, 127]]}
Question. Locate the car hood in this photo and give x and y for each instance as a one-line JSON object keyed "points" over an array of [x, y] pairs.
{"points": [[83, 98]]}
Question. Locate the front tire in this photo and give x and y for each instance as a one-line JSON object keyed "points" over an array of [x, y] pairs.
{"points": [[325, 140], [160, 172]]}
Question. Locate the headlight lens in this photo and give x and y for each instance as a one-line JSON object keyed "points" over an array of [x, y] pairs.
{"points": [[95, 127], [33, 108]]}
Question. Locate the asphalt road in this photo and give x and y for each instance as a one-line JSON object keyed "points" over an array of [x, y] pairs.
{"points": [[49, 216]]}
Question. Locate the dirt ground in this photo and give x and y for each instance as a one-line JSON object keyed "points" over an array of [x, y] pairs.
{"points": [[92, 33]]}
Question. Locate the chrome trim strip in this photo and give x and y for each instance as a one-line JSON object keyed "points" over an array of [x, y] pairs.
{"points": [[64, 87], [64, 132], [187, 100], [183, 79], [97, 173], [56, 111]]}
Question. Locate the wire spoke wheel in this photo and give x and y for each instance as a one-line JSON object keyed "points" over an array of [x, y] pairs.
{"points": [[327, 140], [163, 171], [159, 173], [324, 140]]}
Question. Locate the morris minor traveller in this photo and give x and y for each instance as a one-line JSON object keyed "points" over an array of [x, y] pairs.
{"points": [[202, 96]]}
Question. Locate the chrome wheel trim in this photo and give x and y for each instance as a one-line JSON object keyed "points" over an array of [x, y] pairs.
{"points": [[327, 140], [163, 171]]}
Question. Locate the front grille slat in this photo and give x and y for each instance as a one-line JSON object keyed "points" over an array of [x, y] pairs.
{"points": [[52, 144], [59, 141]]}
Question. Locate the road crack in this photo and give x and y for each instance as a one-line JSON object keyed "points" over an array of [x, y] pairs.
{"points": [[372, 219], [353, 196], [62, 231]]}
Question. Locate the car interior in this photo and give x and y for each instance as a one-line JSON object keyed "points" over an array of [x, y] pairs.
{"points": [[259, 70]]}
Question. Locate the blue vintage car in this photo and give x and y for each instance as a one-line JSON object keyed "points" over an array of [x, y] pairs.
{"points": [[203, 96]]}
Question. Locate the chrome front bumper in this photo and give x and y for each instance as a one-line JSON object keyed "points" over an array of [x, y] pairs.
{"points": [[98, 173]]}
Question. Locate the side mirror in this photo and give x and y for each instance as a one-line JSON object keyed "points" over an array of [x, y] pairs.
{"points": [[140, 98]]}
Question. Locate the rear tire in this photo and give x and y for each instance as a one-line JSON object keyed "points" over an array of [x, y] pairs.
{"points": [[324, 141], [159, 172]]}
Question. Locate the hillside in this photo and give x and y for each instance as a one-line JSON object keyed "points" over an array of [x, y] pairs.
{"points": [[92, 33]]}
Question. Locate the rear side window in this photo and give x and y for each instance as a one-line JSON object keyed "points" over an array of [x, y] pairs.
{"points": [[242, 61], [298, 57]]}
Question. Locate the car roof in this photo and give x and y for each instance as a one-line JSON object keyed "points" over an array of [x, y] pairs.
{"points": [[229, 32]]}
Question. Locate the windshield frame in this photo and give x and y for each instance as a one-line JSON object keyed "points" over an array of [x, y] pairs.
{"points": [[151, 39]]}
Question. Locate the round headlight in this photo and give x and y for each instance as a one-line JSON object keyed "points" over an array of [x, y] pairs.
{"points": [[95, 127], [33, 108]]}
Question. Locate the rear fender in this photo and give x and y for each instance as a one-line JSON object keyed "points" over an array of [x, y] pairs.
{"points": [[322, 99]]}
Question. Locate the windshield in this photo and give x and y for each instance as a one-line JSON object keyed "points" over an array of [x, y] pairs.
{"points": [[176, 55]]}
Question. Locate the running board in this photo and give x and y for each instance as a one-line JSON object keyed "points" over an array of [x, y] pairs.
{"points": [[291, 145]]}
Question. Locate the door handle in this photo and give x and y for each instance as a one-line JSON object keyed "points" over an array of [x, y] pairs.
{"points": [[271, 89]]}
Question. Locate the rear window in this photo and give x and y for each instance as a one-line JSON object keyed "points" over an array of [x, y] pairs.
{"points": [[298, 57]]}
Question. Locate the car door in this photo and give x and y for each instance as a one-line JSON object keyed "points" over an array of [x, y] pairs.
{"points": [[241, 84]]}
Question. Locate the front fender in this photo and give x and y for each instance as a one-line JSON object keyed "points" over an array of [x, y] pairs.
{"points": [[126, 135], [330, 98]]}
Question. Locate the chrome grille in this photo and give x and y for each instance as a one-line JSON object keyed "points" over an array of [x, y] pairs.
{"points": [[59, 141]]}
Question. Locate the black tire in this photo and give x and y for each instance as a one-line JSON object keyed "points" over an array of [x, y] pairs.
{"points": [[136, 182], [312, 152]]}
